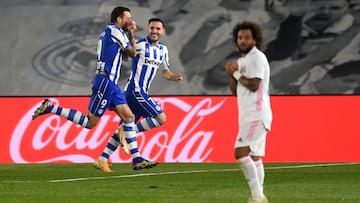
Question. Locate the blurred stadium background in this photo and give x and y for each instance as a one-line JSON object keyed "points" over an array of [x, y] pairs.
{"points": [[48, 46]]}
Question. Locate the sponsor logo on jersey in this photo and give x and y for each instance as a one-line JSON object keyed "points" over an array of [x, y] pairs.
{"points": [[152, 62]]}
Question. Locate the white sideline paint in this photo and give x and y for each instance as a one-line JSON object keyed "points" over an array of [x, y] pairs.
{"points": [[180, 172], [196, 171]]}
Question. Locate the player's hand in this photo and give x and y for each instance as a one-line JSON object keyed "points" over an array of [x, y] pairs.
{"points": [[179, 78], [126, 57], [231, 67], [131, 26]]}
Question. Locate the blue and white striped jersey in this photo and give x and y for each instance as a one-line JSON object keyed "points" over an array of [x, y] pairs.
{"points": [[145, 65], [111, 45]]}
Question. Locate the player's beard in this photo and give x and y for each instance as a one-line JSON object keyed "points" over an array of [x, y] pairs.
{"points": [[154, 37], [246, 51]]}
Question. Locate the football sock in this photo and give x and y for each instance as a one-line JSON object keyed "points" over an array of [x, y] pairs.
{"points": [[250, 172], [147, 124], [111, 146], [130, 136], [260, 172], [70, 114]]}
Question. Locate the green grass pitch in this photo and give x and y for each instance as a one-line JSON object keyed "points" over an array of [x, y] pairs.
{"points": [[178, 183]]}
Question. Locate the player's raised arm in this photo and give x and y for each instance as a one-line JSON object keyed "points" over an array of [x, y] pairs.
{"points": [[130, 29]]}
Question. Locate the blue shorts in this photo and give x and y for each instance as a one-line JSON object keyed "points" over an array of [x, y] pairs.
{"points": [[105, 95], [142, 105]]}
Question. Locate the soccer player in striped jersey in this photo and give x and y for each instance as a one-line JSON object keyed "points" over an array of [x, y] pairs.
{"points": [[151, 55], [116, 40]]}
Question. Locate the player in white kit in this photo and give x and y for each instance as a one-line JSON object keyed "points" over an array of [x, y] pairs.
{"points": [[250, 76]]}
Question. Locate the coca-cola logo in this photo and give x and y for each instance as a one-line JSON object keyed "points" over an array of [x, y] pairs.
{"points": [[51, 138]]}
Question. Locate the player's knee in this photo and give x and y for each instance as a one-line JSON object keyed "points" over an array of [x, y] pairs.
{"points": [[91, 124], [128, 117], [161, 122], [241, 152], [161, 119], [92, 121]]}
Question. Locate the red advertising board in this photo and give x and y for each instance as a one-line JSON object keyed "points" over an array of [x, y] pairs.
{"points": [[198, 129]]}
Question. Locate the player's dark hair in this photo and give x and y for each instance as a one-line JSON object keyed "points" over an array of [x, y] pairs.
{"points": [[157, 20], [118, 12], [253, 27]]}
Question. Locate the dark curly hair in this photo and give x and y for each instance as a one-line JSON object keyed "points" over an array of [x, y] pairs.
{"points": [[255, 30]]}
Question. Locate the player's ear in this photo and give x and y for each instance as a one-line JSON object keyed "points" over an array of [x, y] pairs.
{"points": [[121, 20]]}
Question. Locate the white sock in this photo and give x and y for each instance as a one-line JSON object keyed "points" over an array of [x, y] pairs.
{"points": [[72, 115], [261, 173], [250, 172], [130, 136], [111, 146], [147, 124]]}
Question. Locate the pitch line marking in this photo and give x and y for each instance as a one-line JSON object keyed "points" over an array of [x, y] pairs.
{"points": [[195, 171]]}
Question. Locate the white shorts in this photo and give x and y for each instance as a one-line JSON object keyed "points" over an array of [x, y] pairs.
{"points": [[252, 134]]}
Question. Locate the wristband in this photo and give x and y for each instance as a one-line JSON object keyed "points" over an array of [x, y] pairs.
{"points": [[237, 75]]}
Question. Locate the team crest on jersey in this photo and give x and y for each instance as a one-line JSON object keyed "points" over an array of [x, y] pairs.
{"points": [[161, 52], [243, 69]]}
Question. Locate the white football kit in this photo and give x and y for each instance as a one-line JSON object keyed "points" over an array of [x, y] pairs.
{"points": [[255, 115]]}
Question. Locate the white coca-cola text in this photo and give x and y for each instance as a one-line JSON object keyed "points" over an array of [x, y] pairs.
{"points": [[174, 146]]}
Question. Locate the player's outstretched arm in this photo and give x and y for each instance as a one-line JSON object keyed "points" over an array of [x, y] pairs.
{"points": [[168, 74]]}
